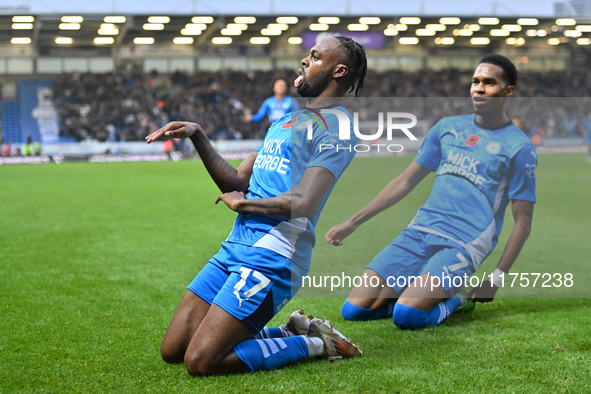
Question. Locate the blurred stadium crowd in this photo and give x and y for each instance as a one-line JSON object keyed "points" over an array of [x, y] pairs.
{"points": [[128, 104]]}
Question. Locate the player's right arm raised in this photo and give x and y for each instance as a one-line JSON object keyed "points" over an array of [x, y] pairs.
{"points": [[393, 192], [226, 177]]}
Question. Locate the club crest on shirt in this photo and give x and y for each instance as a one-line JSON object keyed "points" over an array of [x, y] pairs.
{"points": [[472, 140], [493, 148]]}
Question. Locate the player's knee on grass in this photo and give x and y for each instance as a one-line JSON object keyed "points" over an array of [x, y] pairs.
{"points": [[172, 353], [357, 313], [198, 364], [409, 318]]}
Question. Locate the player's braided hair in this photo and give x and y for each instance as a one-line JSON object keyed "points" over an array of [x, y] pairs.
{"points": [[356, 60]]}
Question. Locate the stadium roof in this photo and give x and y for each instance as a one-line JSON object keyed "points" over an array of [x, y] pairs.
{"points": [[48, 33], [538, 8]]}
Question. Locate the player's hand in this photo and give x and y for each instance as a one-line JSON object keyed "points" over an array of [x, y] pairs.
{"points": [[232, 200], [338, 233], [174, 130], [486, 292], [248, 118]]}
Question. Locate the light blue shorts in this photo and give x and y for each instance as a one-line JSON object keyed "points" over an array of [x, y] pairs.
{"points": [[252, 284], [414, 253]]}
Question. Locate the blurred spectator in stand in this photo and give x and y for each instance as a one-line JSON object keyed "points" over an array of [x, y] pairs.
{"points": [[6, 149], [27, 148], [37, 148]]}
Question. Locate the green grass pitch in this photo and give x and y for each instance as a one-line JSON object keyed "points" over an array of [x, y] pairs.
{"points": [[94, 259]]}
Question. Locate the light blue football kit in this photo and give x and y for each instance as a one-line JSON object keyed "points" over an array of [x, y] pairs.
{"points": [[259, 267], [275, 109], [478, 171]]}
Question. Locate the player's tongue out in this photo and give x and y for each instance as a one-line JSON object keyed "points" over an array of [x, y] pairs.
{"points": [[298, 82]]}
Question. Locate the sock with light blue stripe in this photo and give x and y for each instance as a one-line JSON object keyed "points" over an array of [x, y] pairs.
{"points": [[409, 318], [272, 332], [271, 353]]}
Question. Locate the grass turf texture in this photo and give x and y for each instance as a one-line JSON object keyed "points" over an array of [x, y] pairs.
{"points": [[95, 258]]}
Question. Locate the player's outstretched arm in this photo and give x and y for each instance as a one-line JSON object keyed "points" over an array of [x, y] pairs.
{"points": [[393, 192], [226, 177], [262, 112], [302, 200], [523, 212]]}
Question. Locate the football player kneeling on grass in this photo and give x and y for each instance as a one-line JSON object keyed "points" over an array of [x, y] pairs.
{"points": [[278, 192]]}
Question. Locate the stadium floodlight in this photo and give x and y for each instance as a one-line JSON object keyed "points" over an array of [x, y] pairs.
{"points": [[450, 20], [473, 27], [107, 31], [463, 32], [531, 33], [191, 32], [584, 41], [295, 40], [573, 33], [115, 19], [20, 40], [511, 41], [318, 27], [528, 21], [290, 20], [22, 26], [542, 33], [357, 27], [202, 19], [410, 20], [444, 40], [480, 41], [64, 40], [23, 19], [158, 19], [104, 41], [271, 32], [511, 27], [401, 27], [408, 40], [278, 26], [260, 40], [144, 40], [370, 20], [553, 41], [435, 27], [72, 19], [221, 40], [566, 22], [69, 26], [425, 32], [329, 20], [584, 28], [237, 26], [153, 26], [499, 33], [245, 19], [231, 32], [390, 31], [196, 26], [488, 21], [182, 40]]}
